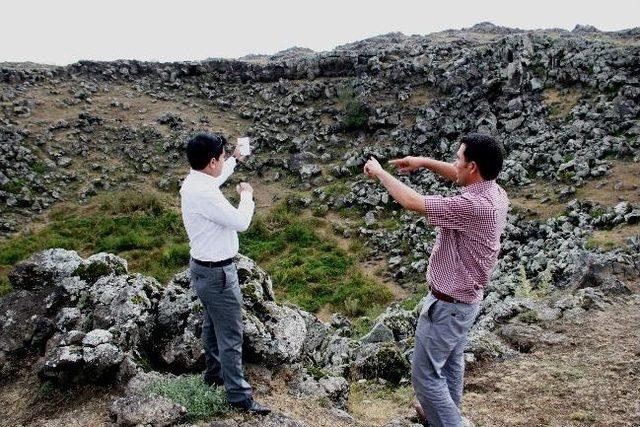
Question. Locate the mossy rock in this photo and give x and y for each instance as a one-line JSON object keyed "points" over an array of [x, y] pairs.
{"points": [[380, 361]]}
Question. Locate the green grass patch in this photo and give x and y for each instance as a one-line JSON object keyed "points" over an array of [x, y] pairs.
{"points": [[141, 228], [339, 188], [13, 186], [5, 286], [307, 269], [412, 301], [201, 401]]}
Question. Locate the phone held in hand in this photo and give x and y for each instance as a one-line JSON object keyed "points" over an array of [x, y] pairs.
{"points": [[244, 145]]}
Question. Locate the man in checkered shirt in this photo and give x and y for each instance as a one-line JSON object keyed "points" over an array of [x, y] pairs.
{"points": [[465, 252]]}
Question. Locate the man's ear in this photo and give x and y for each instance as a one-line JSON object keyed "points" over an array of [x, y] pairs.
{"points": [[473, 167]]}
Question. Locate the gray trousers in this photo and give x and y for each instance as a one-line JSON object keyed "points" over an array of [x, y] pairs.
{"points": [[438, 361], [219, 291]]}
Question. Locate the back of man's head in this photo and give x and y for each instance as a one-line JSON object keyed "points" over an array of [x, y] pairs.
{"points": [[486, 152], [203, 147]]}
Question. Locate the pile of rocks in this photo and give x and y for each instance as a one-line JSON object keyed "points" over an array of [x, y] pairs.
{"points": [[89, 320]]}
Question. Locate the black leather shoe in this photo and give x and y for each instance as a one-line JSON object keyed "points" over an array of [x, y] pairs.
{"points": [[213, 381], [250, 405]]}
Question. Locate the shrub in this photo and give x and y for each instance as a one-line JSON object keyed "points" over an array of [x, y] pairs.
{"points": [[200, 400], [355, 111]]}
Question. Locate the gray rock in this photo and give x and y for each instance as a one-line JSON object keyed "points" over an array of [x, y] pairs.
{"points": [[274, 334], [525, 337], [146, 410], [380, 360], [379, 333], [44, 268]]}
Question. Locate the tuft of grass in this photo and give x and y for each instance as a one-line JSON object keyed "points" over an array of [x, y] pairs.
{"points": [[5, 286], [13, 186], [201, 401], [307, 269], [142, 228], [412, 301]]}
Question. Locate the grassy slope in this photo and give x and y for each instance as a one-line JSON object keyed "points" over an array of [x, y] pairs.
{"points": [[307, 269]]}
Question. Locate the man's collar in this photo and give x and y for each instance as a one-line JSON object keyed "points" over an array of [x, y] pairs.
{"points": [[479, 187], [202, 177]]}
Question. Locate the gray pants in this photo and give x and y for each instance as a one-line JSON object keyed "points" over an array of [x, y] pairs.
{"points": [[438, 361], [219, 291]]}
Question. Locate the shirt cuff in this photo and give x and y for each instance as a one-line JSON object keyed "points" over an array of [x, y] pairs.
{"points": [[231, 161], [246, 196]]}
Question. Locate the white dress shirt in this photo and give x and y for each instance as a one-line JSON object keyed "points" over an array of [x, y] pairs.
{"points": [[211, 221]]}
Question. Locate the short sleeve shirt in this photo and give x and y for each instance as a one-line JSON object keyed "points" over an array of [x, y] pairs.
{"points": [[467, 243]]}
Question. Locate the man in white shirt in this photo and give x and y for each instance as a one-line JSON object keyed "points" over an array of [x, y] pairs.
{"points": [[212, 225]]}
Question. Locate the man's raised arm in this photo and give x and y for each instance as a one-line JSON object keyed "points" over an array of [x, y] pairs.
{"points": [[411, 163]]}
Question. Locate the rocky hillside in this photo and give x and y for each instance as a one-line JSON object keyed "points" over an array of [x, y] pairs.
{"points": [[565, 105]]}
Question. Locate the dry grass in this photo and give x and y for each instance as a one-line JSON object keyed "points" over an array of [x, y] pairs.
{"points": [[615, 238], [26, 402], [421, 96], [378, 407], [592, 379], [560, 103], [621, 185], [136, 109]]}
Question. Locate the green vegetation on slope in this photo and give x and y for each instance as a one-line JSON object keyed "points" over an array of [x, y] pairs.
{"points": [[141, 228], [201, 401], [144, 229], [306, 269]]}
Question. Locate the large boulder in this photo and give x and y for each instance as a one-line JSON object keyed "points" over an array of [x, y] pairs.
{"points": [[44, 268], [125, 305], [274, 334], [380, 360]]}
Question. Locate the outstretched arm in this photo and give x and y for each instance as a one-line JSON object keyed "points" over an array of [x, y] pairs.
{"points": [[410, 163], [407, 197]]}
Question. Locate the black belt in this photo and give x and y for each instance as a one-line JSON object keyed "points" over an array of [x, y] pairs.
{"points": [[211, 264]]}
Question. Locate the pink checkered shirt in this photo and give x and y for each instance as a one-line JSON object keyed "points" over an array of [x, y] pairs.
{"points": [[468, 239]]}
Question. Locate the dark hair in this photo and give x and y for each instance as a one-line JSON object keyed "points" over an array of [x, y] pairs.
{"points": [[203, 147], [485, 151]]}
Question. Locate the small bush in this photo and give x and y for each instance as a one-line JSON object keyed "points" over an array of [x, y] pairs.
{"points": [[201, 401], [316, 372], [529, 316], [524, 289], [355, 111]]}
